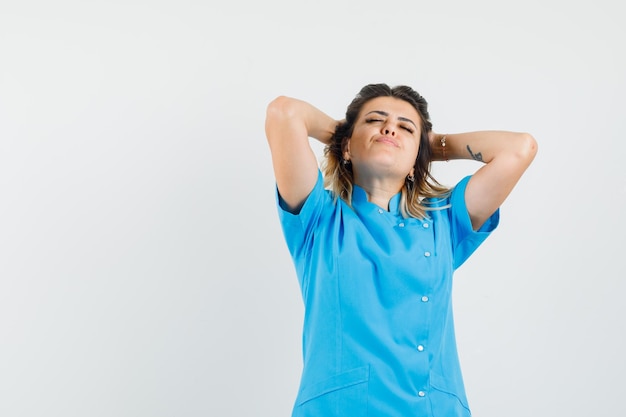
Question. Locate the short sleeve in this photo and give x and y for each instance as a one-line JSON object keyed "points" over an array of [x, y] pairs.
{"points": [[465, 240], [298, 227]]}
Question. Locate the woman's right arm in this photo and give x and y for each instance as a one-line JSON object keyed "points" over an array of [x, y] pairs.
{"points": [[289, 123]]}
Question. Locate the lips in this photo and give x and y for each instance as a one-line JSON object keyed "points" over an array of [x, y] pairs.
{"points": [[388, 140]]}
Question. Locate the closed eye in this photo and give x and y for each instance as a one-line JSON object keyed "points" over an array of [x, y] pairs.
{"points": [[408, 128]]}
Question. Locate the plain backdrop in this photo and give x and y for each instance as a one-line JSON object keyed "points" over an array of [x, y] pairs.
{"points": [[143, 271]]}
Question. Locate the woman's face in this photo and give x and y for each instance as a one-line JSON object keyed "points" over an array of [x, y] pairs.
{"points": [[385, 139]]}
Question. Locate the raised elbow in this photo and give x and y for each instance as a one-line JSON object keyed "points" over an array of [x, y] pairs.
{"points": [[280, 107], [276, 117], [527, 147]]}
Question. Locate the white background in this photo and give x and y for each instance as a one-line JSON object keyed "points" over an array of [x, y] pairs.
{"points": [[143, 271]]}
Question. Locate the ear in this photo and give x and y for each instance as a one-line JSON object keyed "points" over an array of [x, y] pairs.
{"points": [[346, 150], [412, 172]]}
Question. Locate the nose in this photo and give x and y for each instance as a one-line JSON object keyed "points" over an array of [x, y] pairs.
{"points": [[389, 130]]}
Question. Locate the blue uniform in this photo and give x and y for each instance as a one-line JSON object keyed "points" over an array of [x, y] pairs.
{"points": [[378, 337]]}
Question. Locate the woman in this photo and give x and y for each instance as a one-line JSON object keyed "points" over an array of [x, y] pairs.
{"points": [[375, 241]]}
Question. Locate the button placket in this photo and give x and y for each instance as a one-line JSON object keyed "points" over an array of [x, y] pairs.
{"points": [[421, 342]]}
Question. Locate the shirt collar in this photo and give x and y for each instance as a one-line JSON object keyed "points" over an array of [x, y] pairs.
{"points": [[359, 199]]}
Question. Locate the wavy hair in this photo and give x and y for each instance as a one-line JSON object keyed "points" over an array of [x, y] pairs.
{"points": [[416, 195]]}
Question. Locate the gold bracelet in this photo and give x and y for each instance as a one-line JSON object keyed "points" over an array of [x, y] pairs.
{"points": [[443, 148]]}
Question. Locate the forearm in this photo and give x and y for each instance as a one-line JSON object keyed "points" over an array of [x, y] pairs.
{"points": [[482, 146], [505, 155], [293, 114]]}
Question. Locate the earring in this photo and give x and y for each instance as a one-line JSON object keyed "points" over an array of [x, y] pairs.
{"points": [[346, 161], [410, 177]]}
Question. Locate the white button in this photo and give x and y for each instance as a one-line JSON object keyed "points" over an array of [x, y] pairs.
{"points": [[421, 394], [380, 211], [420, 348], [401, 225], [425, 225], [425, 299], [427, 254]]}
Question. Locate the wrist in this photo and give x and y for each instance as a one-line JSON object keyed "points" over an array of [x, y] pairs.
{"points": [[440, 147], [444, 151]]}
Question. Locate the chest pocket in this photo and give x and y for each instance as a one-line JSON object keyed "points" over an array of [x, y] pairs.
{"points": [[344, 394]]}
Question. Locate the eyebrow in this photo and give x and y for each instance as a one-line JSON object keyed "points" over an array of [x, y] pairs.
{"points": [[384, 113]]}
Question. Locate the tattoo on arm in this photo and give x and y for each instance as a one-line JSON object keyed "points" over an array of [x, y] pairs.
{"points": [[476, 156]]}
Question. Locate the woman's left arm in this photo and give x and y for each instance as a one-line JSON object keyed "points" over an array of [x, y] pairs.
{"points": [[506, 156]]}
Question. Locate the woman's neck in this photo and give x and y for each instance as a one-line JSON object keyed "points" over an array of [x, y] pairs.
{"points": [[380, 192]]}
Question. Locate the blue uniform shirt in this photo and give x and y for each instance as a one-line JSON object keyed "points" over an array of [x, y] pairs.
{"points": [[378, 337]]}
